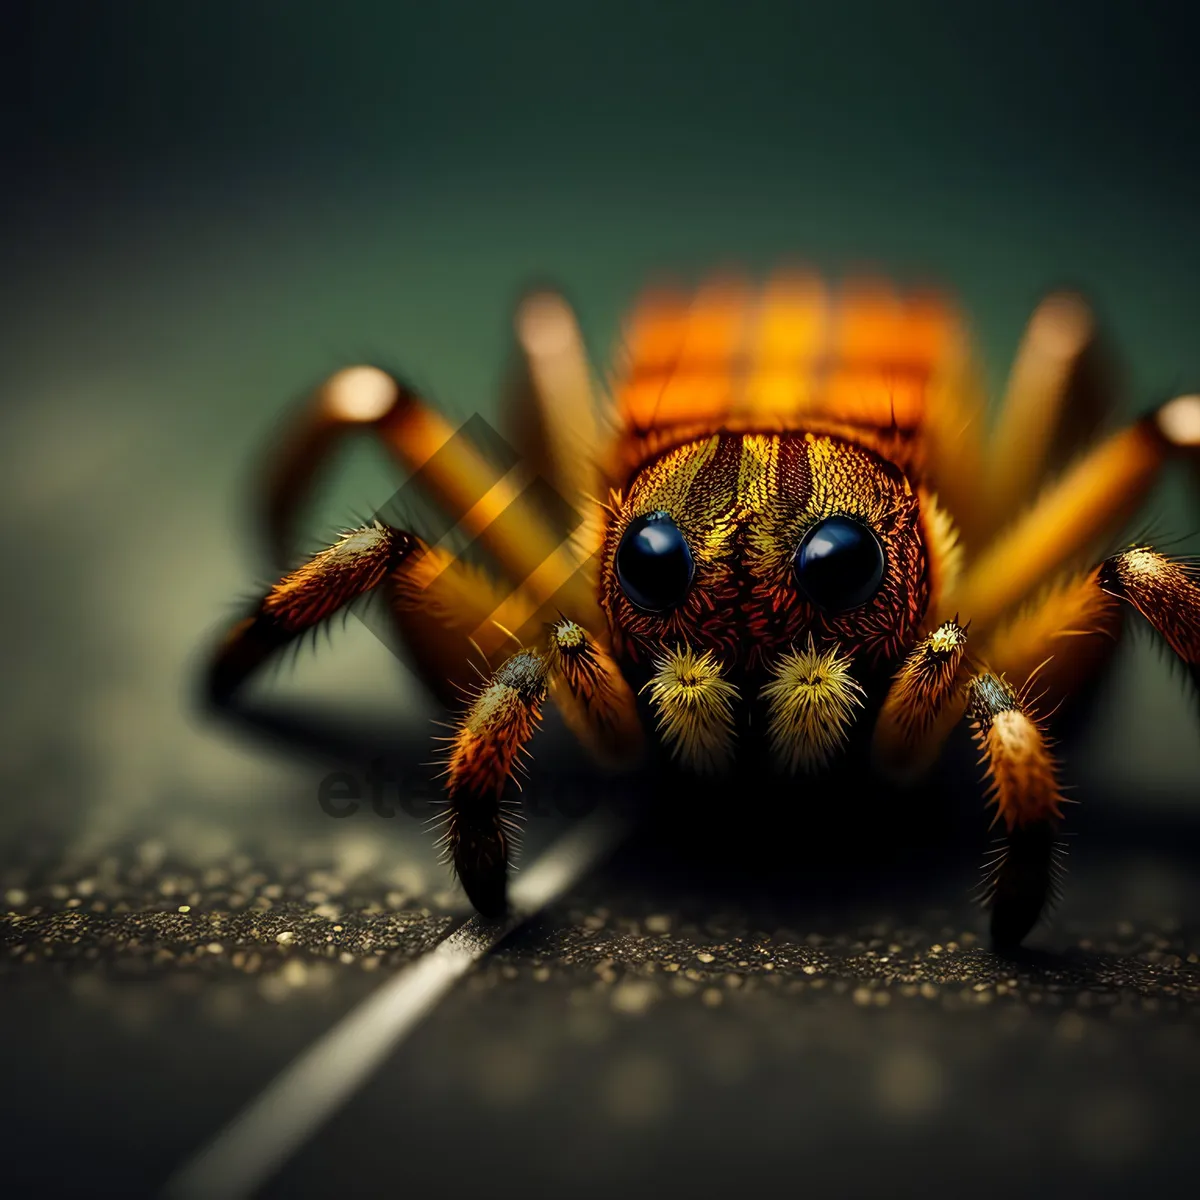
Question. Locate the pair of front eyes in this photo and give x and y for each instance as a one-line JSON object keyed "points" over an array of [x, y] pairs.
{"points": [[838, 565]]}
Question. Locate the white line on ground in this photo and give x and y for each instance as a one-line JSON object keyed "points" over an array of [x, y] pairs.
{"points": [[297, 1102]]}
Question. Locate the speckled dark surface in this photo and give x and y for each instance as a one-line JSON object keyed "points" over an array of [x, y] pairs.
{"points": [[676, 1022]]}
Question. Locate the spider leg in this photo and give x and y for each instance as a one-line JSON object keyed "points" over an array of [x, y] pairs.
{"points": [[1166, 591], [499, 510], [1068, 633], [1057, 391], [490, 738], [955, 425], [1052, 645], [1023, 876], [355, 564], [1058, 640], [1091, 501], [449, 612], [927, 699], [350, 401], [550, 407], [485, 747]]}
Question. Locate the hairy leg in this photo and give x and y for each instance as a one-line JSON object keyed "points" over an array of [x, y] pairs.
{"points": [[484, 751], [491, 737], [500, 508], [452, 613], [1051, 648], [1022, 878], [1090, 502], [355, 564], [1166, 591]]}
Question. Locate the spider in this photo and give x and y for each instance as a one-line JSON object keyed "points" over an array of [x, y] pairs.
{"points": [[790, 522]]}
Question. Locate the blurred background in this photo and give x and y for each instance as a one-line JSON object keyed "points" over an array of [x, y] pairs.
{"points": [[206, 208]]}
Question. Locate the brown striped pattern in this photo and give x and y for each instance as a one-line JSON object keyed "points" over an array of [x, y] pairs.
{"points": [[744, 502]]}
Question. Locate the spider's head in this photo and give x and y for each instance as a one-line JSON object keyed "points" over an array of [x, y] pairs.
{"points": [[768, 563]]}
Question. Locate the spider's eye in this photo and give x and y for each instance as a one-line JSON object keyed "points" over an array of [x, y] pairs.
{"points": [[839, 564], [654, 564]]}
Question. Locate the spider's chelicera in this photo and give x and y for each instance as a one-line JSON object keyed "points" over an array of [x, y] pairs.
{"points": [[801, 510]]}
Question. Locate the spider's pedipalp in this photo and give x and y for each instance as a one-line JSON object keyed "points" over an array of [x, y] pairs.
{"points": [[593, 696], [922, 704]]}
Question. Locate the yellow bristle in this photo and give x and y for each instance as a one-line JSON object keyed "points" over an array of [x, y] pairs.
{"points": [[694, 705], [811, 701]]}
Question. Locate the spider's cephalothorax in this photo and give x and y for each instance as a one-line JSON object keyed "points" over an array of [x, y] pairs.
{"points": [[775, 557], [797, 513], [786, 535]]}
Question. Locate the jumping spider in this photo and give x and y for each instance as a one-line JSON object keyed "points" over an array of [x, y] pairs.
{"points": [[795, 511]]}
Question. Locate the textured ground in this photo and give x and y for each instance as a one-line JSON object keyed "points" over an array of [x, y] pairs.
{"points": [[667, 1025]]}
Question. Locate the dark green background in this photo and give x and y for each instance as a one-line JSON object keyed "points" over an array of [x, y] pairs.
{"points": [[208, 207]]}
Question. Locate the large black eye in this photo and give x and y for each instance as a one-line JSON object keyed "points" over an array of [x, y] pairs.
{"points": [[654, 564], [839, 564]]}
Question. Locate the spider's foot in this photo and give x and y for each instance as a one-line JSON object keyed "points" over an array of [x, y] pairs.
{"points": [[481, 864], [245, 648], [1023, 881]]}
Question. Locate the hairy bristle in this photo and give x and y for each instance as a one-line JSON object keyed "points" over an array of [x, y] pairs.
{"points": [[694, 706], [1164, 590], [355, 563], [499, 722], [925, 679], [811, 702], [1024, 783], [945, 550], [591, 693]]}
